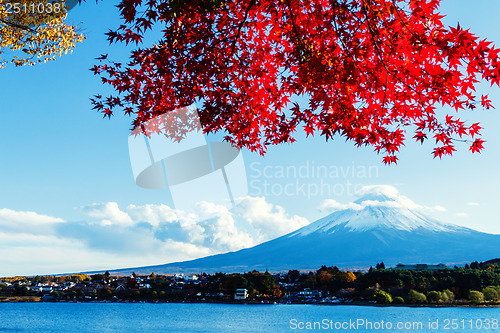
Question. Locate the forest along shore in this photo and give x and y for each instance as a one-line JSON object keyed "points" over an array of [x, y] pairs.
{"points": [[475, 284]]}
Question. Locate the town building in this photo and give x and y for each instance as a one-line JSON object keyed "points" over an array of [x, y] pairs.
{"points": [[240, 294]]}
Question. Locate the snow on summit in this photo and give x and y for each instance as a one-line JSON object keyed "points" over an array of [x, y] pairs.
{"points": [[382, 225], [379, 206]]}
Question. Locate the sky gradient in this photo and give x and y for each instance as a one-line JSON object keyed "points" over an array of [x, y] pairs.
{"points": [[68, 201]]}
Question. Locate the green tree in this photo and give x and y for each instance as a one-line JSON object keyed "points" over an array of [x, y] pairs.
{"points": [[447, 296], [434, 297], [474, 265], [293, 275], [263, 282], [97, 277], [324, 277], [235, 281], [476, 296], [414, 297], [490, 293], [382, 297], [398, 300], [107, 276]]}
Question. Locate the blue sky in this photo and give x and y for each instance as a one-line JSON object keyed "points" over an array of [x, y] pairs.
{"points": [[68, 200]]}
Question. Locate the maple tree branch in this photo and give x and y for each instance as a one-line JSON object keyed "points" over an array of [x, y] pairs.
{"points": [[240, 26], [295, 30], [461, 140], [414, 34], [385, 91], [375, 44], [246, 60], [432, 46], [345, 48], [379, 53]]}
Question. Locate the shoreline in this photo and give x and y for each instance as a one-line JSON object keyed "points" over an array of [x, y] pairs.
{"points": [[36, 299]]}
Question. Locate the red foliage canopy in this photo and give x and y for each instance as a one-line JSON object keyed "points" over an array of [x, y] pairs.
{"points": [[371, 69]]}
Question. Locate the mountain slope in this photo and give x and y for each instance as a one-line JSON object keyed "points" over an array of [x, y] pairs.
{"points": [[378, 227]]}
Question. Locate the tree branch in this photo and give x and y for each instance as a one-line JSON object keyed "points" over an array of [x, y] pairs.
{"points": [[15, 25], [240, 26]]}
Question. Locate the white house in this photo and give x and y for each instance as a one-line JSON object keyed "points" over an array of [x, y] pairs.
{"points": [[240, 294], [68, 285], [191, 278], [36, 288], [305, 293]]}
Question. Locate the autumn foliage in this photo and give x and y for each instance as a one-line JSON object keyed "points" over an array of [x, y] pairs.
{"points": [[34, 31], [372, 71]]}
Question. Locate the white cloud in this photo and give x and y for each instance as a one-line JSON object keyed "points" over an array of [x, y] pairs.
{"points": [[438, 208], [473, 204], [461, 214], [153, 214], [333, 205], [220, 230], [109, 214], [8, 216], [270, 221], [26, 254], [209, 225], [387, 190], [378, 196], [137, 235], [27, 222]]}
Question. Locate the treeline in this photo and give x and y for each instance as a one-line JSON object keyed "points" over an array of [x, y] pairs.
{"points": [[218, 287], [77, 278], [474, 283]]}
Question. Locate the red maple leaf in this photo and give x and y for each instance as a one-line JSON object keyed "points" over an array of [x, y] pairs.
{"points": [[370, 70], [477, 146]]}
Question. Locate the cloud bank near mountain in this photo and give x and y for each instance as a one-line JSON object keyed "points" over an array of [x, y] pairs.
{"points": [[111, 236], [378, 196]]}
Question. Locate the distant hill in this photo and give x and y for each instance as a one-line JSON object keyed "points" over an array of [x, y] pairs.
{"points": [[490, 262], [378, 228]]}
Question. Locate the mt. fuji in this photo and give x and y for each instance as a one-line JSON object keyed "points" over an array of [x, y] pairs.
{"points": [[380, 226]]}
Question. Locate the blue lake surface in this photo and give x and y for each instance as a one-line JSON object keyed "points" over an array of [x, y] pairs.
{"points": [[170, 317]]}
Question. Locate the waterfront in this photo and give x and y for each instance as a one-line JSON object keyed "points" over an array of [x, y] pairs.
{"points": [[178, 317]]}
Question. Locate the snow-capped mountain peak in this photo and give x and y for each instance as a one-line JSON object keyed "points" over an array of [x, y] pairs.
{"points": [[381, 226], [378, 208]]}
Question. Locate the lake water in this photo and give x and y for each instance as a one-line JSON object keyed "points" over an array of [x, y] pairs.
{"points": [[138, 317]]}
